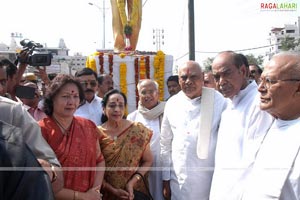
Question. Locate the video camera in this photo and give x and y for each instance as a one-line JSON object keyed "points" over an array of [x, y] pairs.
{"points": [[36, 57]]}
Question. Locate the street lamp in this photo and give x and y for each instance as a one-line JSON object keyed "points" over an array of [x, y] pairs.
{"points": [[103, 10]]}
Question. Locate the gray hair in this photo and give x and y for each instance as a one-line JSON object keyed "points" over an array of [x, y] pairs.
{"points": [[146, 80]]}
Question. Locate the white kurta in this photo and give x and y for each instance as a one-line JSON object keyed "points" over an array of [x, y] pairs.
{"points": [[91, 111], [242, 129], [155, 174], [276, 170], [190, 177]]}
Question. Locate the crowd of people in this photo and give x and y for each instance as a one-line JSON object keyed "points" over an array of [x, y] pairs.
{"points": [[225, 133]]}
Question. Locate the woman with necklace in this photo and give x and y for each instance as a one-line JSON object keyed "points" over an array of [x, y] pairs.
{"points": [[126, 149], [74, 140]]}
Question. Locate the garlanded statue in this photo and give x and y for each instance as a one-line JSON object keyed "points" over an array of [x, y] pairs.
{"points": [[126, 25]]}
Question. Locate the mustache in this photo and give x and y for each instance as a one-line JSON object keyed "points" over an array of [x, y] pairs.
{"points": [[89, 90]]}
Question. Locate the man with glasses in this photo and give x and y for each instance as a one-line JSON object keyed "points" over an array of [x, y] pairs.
{"points": [[187, 156], [276, 169], [242, 128], [91, 107], [150, 112]]}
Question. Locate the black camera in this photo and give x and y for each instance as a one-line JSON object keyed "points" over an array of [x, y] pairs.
{"points": [[36, 56]]}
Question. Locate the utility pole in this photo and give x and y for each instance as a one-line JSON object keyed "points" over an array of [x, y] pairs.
{"points": [[158, 38], [103, 19], [191, 30]]}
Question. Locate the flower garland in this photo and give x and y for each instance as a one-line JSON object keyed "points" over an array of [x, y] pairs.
{"points": [[101, 61], [148, 67], [91, 62], [110, 62], [136, 78], [142, 68], [159, 69], [123, 80], [129, 21]]}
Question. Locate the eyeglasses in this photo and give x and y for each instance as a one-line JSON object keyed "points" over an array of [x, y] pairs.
{"points": [[253, 72], [267, 82], [85, 83]]}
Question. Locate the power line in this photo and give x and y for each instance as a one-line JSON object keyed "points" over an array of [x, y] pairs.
{"points": [[240, 50]]}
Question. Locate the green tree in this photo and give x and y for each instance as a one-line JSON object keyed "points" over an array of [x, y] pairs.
{"points": [[255, 60], [207, 63], [289, 43]]}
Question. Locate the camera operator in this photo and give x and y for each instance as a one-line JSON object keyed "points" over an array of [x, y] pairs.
{"points": [[14, 75]]}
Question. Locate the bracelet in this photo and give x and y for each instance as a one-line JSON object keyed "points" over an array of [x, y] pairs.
{"points": [[137, 176], [54, 174]]}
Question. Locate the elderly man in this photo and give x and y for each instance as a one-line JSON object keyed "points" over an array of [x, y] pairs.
{"points": [[242, 128], [188, 136], [276, 169], [150, 112]]}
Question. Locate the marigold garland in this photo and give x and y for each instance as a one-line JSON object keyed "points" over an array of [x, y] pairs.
{"points": [[136, 78], [91, 62], [159, 69], [101, 61], [147, 58], [128, 21], [110, 62], [142, 68], [123, 81]]}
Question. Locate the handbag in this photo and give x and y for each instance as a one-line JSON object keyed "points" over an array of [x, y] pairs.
{"points": [[138, 195]]}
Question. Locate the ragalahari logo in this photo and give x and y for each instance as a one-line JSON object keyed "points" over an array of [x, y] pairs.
{"points": [[278, 6]]}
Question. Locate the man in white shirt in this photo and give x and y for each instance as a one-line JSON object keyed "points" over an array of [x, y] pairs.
{"points": [[276, 169], [187, 174], [242, 128], [150, 113], [92, 108]]}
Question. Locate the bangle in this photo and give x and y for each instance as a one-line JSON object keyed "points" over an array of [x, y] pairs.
{"points": [[137, 176], [54, 174]]}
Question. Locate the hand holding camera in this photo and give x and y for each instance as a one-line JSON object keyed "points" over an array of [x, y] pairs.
{"points": [[32, 55]]}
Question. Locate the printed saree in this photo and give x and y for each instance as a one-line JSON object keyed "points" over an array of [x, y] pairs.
{"points": [[124, 155]]}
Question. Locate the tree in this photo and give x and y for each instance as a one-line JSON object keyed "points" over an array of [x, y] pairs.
{"points": [[207, 63], [289, 43], [255, 60]]}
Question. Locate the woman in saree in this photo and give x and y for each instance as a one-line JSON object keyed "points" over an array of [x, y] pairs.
{"points": [[126, 149], [74, 140]]}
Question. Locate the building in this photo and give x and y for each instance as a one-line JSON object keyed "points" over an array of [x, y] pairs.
{"points": [[277, 34], [61, 61]]}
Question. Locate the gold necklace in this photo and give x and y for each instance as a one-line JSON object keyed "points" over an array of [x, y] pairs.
{"points": [[65, 131]]}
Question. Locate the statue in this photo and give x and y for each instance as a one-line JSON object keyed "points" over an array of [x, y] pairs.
{"points": [[126, 27]]}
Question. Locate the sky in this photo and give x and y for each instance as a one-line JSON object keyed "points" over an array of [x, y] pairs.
{"points": [[219, 25]]}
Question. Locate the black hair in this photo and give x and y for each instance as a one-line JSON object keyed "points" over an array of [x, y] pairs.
{"points": [[85, 71], [100, 78], [245, 60], [11, 68], [105, 101], [173, 78], [58, 82]]}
